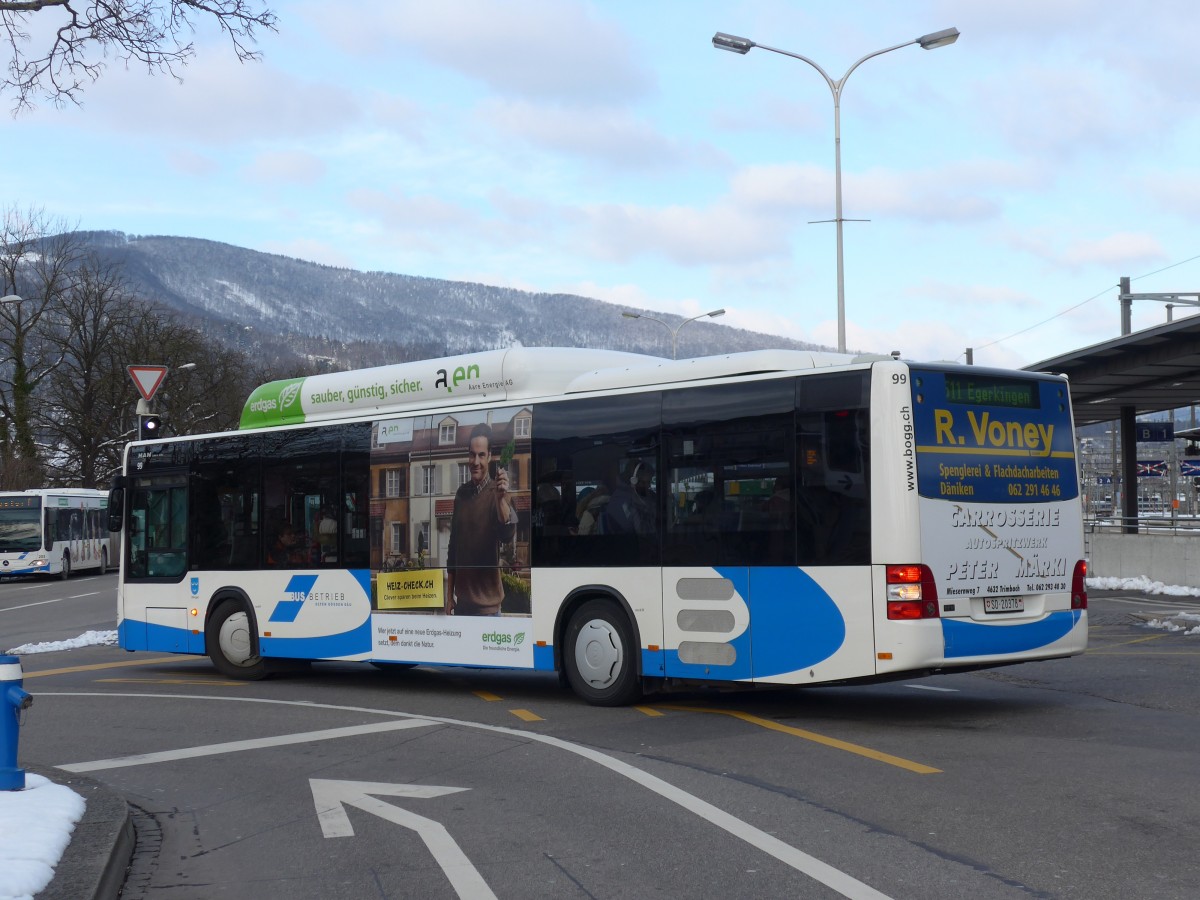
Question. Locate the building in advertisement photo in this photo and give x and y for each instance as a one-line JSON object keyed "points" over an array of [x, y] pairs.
{"points": [[418, 465]]}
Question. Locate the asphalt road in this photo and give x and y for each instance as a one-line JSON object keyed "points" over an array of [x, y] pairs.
{"points": [[1072, 779]]}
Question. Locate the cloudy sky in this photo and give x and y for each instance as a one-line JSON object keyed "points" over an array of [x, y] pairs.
{"points": [[607, 149]]}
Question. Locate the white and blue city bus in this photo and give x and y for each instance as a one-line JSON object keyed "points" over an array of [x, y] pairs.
{"points": [[54, 531], [762, 518]]}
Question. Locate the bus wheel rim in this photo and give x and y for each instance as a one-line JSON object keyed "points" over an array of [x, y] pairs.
{"points": [[235, 640], [598, 654]]}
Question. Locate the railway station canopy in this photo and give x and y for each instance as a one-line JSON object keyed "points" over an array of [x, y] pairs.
{"points": [[1151, 370]]}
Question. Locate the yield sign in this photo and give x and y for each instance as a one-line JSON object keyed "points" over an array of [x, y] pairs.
{"points": [[147, 379]]}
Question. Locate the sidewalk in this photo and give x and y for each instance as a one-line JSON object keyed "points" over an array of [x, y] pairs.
{"points": [[94, 863]]}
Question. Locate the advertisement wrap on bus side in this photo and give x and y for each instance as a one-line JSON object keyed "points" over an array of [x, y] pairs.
{"points": [[998, 487], [446, 381], [308, 614], [460, 640], [418, 589]]}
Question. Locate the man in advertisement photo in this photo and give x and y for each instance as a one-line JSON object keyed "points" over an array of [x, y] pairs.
{"points": [[484, 518]]}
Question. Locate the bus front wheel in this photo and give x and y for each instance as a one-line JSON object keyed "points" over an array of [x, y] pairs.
{"points": [[230, 645], [66, 569], [599, 655]]}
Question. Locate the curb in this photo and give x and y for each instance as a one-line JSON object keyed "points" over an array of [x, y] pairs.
{"points": [[95, 861]]}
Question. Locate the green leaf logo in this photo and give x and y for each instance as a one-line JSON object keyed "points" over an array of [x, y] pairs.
{"points": [[518, 639], [288, 395]]}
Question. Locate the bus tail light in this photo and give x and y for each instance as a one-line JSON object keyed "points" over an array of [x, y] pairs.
{"points": [[1079, 585], [911, 593]]}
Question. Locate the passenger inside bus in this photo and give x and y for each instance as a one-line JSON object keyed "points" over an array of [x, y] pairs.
{"points": [[327, 535], [287, 548], [592, 503], [633, 508]]}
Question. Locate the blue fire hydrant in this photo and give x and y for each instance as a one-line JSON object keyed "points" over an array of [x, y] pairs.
{"points": [[12, 701]]}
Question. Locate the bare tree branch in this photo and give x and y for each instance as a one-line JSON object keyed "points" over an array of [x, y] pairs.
{"points": [[154, 33], [67, 405]]}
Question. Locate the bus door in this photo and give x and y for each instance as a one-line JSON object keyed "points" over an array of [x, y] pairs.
{"points": [[728, 455], [809, 589], [155, 593]]}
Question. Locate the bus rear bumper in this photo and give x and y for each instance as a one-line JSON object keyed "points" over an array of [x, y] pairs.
{"points": [[942, 644]]}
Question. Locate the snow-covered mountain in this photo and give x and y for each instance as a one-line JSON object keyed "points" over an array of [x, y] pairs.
{"points": [[369, 318]]}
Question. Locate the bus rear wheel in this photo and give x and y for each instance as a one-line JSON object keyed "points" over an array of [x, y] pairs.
{"points": [[230, 644], [599, 655]]}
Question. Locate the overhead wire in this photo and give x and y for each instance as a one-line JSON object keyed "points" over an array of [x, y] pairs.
{"points": [[1096, 296]]}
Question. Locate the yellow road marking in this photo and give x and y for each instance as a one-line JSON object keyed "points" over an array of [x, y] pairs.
{"points": [[116, 665], [484, 695], [879, 756], [526, 716], [647, 710], [1141, 640]]}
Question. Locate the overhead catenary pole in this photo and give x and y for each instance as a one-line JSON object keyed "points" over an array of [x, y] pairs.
{"points": [[1129, 504]]}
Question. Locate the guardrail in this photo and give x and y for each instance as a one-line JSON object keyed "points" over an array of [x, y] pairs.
{"points": [[1144, 524]]}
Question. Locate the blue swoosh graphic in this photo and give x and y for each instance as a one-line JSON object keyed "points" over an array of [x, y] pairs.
{"points": [[975, 639]]}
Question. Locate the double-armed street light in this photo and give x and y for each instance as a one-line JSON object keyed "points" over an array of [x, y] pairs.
{"points": [[675, 331], [742, 45]]}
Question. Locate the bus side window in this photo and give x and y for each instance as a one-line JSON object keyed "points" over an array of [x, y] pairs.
{"points": [[299, 474], [728, 455], [600, 451], [833, 463]]}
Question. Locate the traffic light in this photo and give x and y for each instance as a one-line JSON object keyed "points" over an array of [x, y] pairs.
{"points": [[149, 427]]}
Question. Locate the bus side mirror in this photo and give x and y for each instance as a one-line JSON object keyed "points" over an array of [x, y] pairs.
{"points": [[116, 503]]}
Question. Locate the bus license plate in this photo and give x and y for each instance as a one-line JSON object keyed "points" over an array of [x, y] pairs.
{"points": [[1003, 604]]}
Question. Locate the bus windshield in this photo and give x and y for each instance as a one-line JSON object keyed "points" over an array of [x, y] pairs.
{"points": [[20, 530]]}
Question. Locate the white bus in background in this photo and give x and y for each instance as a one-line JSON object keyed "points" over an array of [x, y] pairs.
{"points": [[55, 531], [763, 518]]}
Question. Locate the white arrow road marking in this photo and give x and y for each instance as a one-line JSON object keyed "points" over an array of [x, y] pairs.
{"points": [[329, 796], [332, 797], [280, 740], [835, 879]]}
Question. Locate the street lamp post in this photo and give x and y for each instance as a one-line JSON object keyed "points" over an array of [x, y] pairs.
{"points": [[675, 331], [742, 45]]}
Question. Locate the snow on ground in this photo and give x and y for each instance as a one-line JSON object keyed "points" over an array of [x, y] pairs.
{"points": [[87, 639], [1177, 622], [36, 823], [1187, 623], [1141, 584], [35, 828]]}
